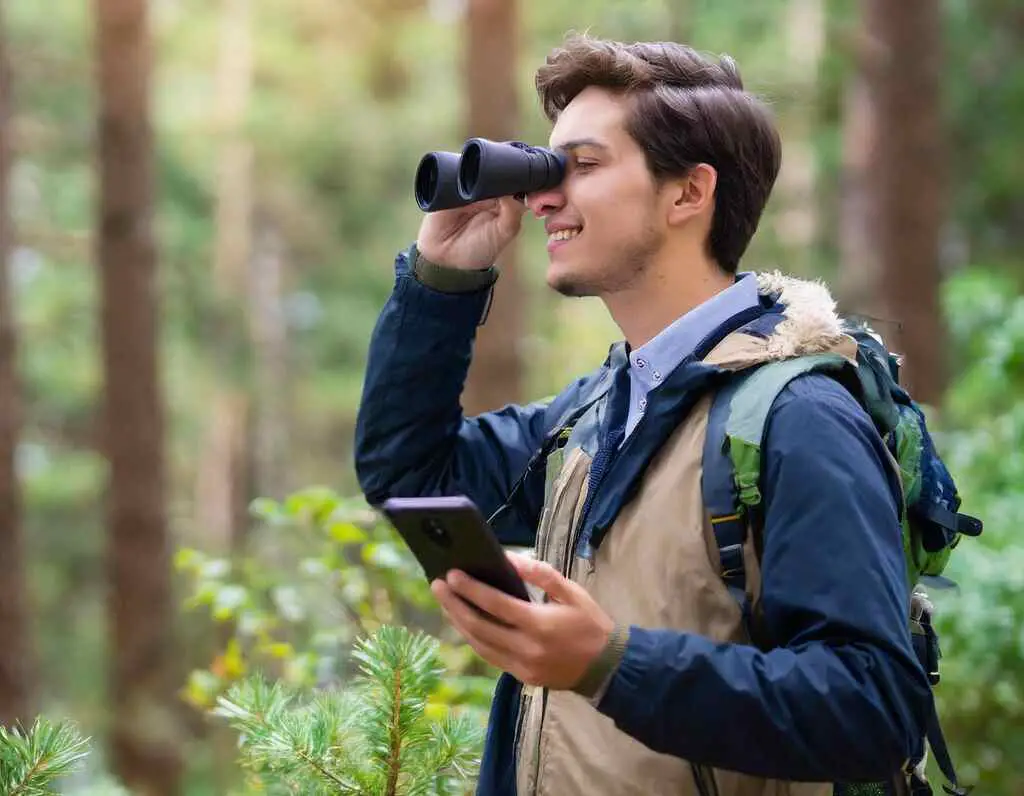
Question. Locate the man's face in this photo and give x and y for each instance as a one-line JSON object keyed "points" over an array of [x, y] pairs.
{"points": [[603, 221]]}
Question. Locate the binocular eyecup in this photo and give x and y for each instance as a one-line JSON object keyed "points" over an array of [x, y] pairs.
{"points": [[485, 170]]}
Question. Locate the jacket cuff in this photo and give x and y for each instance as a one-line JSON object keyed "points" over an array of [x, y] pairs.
{"points": [[450, 280], [599, 674]]}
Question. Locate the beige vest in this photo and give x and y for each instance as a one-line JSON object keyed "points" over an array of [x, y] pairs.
{"points": [[658, 566]]}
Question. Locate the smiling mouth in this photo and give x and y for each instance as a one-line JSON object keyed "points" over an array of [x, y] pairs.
{"points": [[563, 235]]}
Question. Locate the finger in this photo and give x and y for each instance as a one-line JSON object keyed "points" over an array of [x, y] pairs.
{"points": [[500, 658], [519, 560], [512, 205], [510, 610], [548, 579], [476, 627], [511, 661], [510, 213]]}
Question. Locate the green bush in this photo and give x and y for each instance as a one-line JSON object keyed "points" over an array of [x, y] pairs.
{"points": [[981, 436], [319, 571]]}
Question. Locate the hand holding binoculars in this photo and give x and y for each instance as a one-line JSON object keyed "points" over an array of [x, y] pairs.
{"points": [[485, 170]]}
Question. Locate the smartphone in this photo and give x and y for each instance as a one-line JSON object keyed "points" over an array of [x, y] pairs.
{"points": [[451, 533]]}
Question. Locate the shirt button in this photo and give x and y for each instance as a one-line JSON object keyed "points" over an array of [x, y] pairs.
{"points": [[641, 363], [643, 404], [657, 375]]}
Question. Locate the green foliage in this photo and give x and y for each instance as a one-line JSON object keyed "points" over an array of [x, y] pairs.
{"points": [[981, 701], [320, 570], [983, 35], [376, 736], [32, 761], [986, 318]]}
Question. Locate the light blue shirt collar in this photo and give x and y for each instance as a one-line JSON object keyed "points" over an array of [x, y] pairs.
{"points": [[651, 363]]}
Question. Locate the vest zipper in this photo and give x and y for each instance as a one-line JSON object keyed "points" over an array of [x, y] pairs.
{"points": [[704, 777], [561, 440], [540, 734], [570, 552], [569, 555]]}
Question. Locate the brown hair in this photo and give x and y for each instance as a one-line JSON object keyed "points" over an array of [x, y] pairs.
{"points": [[688, 109]]}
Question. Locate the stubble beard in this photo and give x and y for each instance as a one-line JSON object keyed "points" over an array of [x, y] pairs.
{"points": [[621, 270]]}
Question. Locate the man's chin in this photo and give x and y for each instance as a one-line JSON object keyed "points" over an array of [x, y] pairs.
{"points": [[568, 284]]}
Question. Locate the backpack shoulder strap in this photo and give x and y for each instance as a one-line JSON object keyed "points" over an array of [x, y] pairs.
{"points": [[721, 501], [732, 499], [730, 482]]}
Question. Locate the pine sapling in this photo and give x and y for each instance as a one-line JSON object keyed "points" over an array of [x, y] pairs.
{"points": [[32, 761], [373, 737]]}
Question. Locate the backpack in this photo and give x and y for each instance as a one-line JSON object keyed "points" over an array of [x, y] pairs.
{"points": [[932, 523]]}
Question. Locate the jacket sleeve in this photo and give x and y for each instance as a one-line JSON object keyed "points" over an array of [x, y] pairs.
{"points": [[842, 697], [411, 436]]}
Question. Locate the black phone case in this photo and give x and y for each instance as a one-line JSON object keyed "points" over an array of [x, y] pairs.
{"points": [[451, 533]]}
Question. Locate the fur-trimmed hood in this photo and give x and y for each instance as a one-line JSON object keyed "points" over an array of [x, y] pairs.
{"points": [[810, 325]]}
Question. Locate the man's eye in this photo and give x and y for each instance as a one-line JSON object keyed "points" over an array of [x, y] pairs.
{"points": [[585, 164]]}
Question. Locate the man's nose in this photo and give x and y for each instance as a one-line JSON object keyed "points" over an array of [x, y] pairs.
{"points": [[544, 203]]}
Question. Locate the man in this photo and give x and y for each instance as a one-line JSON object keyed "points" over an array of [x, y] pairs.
{"points": [[636, 674]]}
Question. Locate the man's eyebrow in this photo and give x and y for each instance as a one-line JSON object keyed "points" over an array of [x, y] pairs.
{"points": [[571, 146]]}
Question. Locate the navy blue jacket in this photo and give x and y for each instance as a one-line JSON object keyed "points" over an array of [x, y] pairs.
{"points": [[842, 697]]}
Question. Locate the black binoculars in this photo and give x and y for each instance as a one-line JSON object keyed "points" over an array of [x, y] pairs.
{"points": [[485, 170]]}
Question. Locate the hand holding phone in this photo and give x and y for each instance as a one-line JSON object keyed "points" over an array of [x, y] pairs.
{"points": [[446, 533]]}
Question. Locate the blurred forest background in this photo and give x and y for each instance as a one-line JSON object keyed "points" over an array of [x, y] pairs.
{"points": [[201, 202]]}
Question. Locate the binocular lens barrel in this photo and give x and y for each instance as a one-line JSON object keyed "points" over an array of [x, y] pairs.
{"points": [[491, 169], [485, 170], [436, 185]]}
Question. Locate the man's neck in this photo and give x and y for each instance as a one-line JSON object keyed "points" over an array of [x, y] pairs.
{"points": [[663, 294]]}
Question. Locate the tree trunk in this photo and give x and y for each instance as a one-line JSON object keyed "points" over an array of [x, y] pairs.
{"points": [[496, 375], [145, 754], [269, 331], [222, 487], [224, 472], [16, 687], [797, 222], [860, 276], [680, 21], [894, 207]]}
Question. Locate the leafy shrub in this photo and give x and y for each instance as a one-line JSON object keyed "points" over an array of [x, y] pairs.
{"points": [[981, 435], [320, 571]]}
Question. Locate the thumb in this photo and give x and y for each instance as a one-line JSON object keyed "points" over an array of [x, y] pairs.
{"points": [[547, 578], [510, 215]]}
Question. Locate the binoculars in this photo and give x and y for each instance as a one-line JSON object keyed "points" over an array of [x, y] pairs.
{"points": [[485, 170]]}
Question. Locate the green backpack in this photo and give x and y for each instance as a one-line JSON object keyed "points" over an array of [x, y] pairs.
{"points": [[931, 520]]}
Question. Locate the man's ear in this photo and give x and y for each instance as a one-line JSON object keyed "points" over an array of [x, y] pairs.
{"points": [[692, 195]]}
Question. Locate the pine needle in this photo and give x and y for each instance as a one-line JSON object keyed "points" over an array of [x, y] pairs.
{"points": [[31, 762], [373, 737]]}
